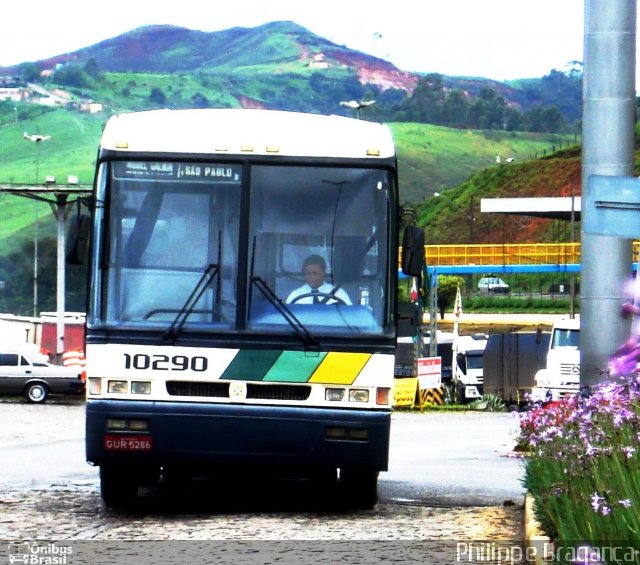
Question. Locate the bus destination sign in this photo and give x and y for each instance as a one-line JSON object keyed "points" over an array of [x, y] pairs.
{"points": [[190, 172]]}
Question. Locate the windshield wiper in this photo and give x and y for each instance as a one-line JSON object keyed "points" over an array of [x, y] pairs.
{"points": [[298, 327], [204, 281]]}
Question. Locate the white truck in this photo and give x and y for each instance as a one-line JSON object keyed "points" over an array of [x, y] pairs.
{"points": [[561, 377], [468, 367]]}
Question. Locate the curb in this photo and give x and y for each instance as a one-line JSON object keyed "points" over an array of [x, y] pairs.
{"points": [[537, 544]]}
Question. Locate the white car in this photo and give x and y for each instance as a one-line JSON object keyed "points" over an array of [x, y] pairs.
{"points": [[492, 285], [19, 374]]}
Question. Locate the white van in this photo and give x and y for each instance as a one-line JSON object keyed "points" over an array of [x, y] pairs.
{"points": [[492, 285]]}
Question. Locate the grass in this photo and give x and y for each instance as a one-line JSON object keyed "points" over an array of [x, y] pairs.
{"points": [[454, 155], [490, 304]]}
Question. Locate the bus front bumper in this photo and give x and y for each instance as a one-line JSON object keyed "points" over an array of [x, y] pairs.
{"points": [[207, 433]]}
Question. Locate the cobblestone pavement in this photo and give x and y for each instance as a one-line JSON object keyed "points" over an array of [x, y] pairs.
{"points": [[76, 513]]}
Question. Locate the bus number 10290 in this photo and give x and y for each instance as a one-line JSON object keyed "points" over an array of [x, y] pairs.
{"points": [[160, 362]]}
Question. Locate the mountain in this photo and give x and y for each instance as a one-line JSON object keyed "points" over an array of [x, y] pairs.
{"points": [[278, 65], [281, 46]]}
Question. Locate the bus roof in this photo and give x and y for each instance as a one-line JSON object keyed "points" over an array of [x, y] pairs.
{"points": [[247, 132]]}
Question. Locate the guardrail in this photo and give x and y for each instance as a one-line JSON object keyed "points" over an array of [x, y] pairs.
{"points": [[503, 254], [507, 254]]}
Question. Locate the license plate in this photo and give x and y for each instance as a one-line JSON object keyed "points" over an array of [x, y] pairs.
{"points": [[128, 443]]}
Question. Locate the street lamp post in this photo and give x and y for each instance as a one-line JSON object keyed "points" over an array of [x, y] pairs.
{"points": [[357, 106], [37, 139]]}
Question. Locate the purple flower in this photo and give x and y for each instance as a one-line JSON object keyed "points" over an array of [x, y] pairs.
{"points": [[628, 451], [596, 501], [587, 555]]}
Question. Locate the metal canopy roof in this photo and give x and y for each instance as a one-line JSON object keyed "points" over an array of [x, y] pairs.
{"points": [[552, 207], [52, 193]]}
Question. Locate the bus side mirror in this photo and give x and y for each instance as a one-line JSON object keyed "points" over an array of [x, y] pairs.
{"points": [[78, 239], [413, 251]]}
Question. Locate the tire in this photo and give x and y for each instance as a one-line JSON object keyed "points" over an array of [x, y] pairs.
{"points": [[118, 488], [360, 487], [36, 393]]}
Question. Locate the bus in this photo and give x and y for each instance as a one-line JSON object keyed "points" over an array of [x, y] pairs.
{"points": [[197, 363]]}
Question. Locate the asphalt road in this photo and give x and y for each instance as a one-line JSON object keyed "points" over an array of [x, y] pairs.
{"points": [[451, 458]]}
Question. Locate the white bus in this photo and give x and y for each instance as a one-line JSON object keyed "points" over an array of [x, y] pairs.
{"points": [[196, 362]]}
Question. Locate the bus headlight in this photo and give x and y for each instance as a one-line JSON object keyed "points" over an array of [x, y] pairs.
{"points": [[140, 387], [117, 387], [334, 394], [359, 395]]}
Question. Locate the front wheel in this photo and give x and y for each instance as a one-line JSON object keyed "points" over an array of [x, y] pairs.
{"points": [[36, 393], [118, 488], [360, 487]]}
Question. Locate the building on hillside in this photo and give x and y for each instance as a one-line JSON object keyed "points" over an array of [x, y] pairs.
{"points": [[7, 81], [14, 94], [90, 107], [318, 62]]}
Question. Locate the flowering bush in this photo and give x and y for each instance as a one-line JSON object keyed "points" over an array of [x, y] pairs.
{"points": [[584, 467]]}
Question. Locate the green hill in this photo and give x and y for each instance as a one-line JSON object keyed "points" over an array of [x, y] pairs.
{"points": [[430, 158], [456, 218]]}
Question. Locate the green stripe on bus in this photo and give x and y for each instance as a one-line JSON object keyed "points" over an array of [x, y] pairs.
{"points": [[250, 365], [294, 367]]}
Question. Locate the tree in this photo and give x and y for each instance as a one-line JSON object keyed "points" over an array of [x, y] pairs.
{"points": [[16, 270], [91, 68], [30, 72], [447, 289], [545, 119], [488, 110], [157, 96], [426, 103], [71, 75], [456, 109], [514, 120], [199, 100]]}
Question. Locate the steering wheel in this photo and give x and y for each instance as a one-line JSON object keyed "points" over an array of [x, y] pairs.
{"points": [[325, 295]]}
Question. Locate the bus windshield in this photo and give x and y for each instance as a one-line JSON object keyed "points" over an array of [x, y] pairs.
{"points": [[171, 255]]}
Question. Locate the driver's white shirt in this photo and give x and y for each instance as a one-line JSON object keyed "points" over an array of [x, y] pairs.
{"points": [[325, 289]]}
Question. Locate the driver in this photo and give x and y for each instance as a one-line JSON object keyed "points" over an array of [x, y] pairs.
{"points": [[315, 290]]}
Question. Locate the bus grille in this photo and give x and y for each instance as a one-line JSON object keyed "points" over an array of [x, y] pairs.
{"points": [[188, 388], [278, 392]]}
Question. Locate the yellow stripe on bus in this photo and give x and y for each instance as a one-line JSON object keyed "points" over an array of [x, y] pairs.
{"points": [[340, 368]]}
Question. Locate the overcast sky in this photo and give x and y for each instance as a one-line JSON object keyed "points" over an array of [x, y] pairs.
{"points": [[499, 39]]}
